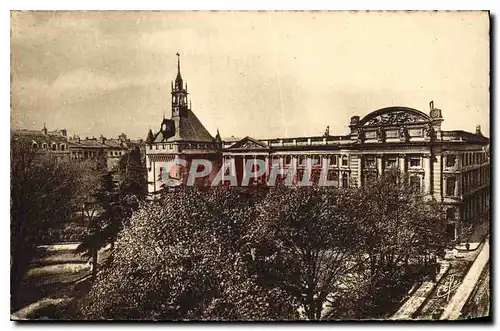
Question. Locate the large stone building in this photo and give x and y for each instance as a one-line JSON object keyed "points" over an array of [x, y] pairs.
{"points": [[451, 166], [44, 141], [57, 143]]}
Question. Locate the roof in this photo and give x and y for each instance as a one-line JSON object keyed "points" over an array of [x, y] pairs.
{"points": [[40, 133], [189, 128], [459, 135]]}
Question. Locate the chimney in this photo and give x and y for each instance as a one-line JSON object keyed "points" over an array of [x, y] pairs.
{"points": [[103, 139], [44, 130], [431, 105]]}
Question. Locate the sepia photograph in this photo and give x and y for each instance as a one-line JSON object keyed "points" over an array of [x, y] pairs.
{"points": [[250, 166]]}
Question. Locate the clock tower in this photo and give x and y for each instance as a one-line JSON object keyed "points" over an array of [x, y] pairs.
{"points": [[179, 94]]}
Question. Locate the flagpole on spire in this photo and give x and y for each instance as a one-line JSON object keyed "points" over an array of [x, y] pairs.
{"points": [[178, 62]]}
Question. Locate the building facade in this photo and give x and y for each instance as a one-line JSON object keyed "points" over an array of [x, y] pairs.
{"points": [[44, 141], [452, 167]]}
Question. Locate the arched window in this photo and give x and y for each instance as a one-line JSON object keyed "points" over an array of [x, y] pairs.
{"points": [[35, 145], [62, 147], [54, 146], [44, 146], [302, 160]]}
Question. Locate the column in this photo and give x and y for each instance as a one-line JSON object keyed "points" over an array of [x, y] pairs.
{"points": [[427, 174], [379, 165], [360, 170], [402, 163]]}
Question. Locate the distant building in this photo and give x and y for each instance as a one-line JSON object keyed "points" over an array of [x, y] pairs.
{"points": [[111, 150], [452, 167], [44, 141]]}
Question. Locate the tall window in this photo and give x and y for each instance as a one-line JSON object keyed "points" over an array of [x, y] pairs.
{"points": [[450, 214], [62, 147], [316, 160], [450, 161], [160, 174], [345, 180], [44, 145], [288, 160], [302, 160], [415, 183], [451, 182], [333, 160], [54, 147], [35, 145], [344, 160]]}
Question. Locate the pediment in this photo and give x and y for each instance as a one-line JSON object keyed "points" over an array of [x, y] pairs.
{"points": [[249, 143], [394, 116]]}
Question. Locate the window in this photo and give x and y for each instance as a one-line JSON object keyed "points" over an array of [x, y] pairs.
{"points": [[450, 186], [391, 162], [345, 180], [35, 145], [316, 160], [163, 146], [302, 160], [415, 183], [44, 145], [450, 161], [62, 147], [370, 178], [333, 160], [450, 214], [370, 162], [344, 160], [415, 162], [54, 147]]}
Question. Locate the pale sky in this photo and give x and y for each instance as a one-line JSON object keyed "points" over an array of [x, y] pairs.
{"points": [[259, 74]]}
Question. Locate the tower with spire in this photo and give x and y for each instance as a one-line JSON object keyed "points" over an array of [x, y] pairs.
{"points": [[179, 93]]}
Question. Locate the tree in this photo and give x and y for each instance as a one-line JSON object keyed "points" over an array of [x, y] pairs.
{"points": [[132, 178], [103, 227], [42, 194], [183, 257], [402, 233], [305, 243]]}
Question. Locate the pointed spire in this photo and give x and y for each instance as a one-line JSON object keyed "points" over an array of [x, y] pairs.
{"points": [[149, 138], [217, 136], [178, 79]]}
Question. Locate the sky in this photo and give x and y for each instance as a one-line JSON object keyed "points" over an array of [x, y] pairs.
{"points": [[259, 74]]}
